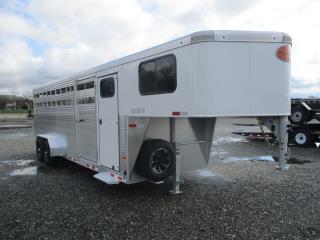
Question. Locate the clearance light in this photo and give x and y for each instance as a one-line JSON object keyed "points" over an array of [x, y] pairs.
{"points": [[283, 53]]}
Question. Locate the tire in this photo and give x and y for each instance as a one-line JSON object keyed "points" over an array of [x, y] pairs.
{"points": [[47, 159], [156, 160], [298, 116], [301, 138], [39, 150]]}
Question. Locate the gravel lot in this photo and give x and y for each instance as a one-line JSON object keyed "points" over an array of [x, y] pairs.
{"points": [[239, 196]]}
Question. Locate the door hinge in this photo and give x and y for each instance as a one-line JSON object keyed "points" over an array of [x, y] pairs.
{"points": [[100, 121]]}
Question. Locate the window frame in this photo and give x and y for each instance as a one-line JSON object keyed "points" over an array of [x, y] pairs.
{"points": [[154, 60]]}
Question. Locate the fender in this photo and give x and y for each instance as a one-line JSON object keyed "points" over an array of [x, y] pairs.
{"points": [[57, 142]]}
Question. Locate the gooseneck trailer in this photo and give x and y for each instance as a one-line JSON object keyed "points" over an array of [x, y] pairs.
{"points": [[152, 114]]}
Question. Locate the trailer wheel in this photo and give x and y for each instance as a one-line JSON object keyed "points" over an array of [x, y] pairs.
{"points": [[39, 150], [301, 137], [156, 160], [298, 116], [47, 159]]}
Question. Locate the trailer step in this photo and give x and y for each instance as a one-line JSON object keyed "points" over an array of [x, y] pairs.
{"points": [[105, 177]]}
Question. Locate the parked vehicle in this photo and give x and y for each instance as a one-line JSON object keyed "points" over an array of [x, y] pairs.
{"points": [[304, 130], [151, 114], [304, 110]]}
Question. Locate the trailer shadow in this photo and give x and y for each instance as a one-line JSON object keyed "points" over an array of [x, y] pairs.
{"points": [[294, 160], [69, 169]]}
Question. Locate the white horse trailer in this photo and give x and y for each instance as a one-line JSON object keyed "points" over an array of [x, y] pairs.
{"points": [[152, 114]]}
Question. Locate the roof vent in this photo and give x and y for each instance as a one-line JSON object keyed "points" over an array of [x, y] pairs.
{"points": [[203, 36]]}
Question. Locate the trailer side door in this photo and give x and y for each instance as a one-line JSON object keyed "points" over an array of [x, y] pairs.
{"points": [[108, 122], [86, 135]]}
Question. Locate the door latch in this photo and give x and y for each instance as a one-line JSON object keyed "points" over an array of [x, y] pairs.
{"points": [[100, 121]]}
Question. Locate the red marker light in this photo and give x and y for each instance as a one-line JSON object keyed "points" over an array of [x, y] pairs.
{"points": [[283, 53]]}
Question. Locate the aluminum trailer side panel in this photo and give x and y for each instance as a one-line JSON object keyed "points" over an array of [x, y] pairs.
{"points": [[215, 79], [58, 119]]}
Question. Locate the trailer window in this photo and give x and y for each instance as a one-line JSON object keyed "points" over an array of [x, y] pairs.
{"points": [[89, 85], [53, 92], [80, 87], [107, 87], [58, 91], [158, 76]]}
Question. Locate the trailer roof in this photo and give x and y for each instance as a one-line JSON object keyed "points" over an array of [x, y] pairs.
{"points": [[201, 36]]}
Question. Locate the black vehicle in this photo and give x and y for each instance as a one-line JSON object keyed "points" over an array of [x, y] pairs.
{"points": [[304, 110], [304, 130], [305, 114]]}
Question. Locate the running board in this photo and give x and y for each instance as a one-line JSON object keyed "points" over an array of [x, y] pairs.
{"points": [[105, 177]]}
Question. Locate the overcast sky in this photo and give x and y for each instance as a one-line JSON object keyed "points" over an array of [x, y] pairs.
{"points": [[42, 40]]}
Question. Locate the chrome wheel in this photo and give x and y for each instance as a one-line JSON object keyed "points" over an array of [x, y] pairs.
{"points": [[300, 138], [160, 160], [297, 116]]}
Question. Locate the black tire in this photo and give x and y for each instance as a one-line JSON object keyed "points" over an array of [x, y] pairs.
{"points": [[298, 116], [301, 137], [39, 150], [156, 160], [47, 159]]}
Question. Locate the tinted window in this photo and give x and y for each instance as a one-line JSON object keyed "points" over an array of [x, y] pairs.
{"points": [[158, 76], [107, 87]]}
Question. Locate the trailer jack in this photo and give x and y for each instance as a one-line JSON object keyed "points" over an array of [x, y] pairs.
{"points": [[279, 128], [176, 181]]}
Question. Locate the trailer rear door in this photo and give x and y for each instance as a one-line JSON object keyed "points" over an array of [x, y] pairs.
{"points": [[108, 122]]}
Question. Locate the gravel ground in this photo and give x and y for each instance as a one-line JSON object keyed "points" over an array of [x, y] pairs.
{"points": [[236, 197]]}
